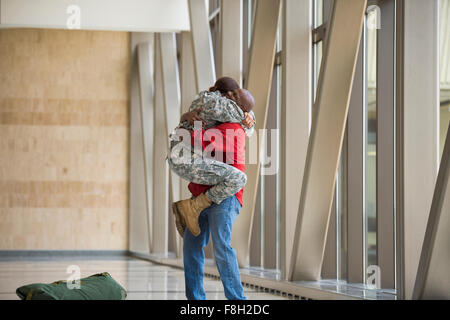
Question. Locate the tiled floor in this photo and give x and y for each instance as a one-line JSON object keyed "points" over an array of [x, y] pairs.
{"points": [[142, 280]]}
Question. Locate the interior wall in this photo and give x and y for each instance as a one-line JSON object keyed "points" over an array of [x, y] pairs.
{"points": [[64, 139]]}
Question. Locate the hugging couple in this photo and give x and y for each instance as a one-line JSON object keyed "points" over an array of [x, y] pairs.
{"points": [[218, 120]]}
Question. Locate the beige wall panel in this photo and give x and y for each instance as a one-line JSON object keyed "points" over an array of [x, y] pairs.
{"points": [[65, 137], [43, 228]]}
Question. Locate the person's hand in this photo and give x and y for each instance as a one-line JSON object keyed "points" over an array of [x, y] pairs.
{"points": [[248, 122], [192, 116]]}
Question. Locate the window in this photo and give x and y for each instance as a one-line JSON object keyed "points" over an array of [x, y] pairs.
{"points": [[374, 102], [265, 244], [214, 24], [336, 267], [371, 138]]}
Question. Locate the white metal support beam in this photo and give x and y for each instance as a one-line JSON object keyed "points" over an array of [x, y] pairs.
{"points": [[328, 127], [187, 72], [417, 132], [231, 39], [259, 82], [295, 116], [171, 86], [202, 45], [204, 67], [188, 92], [256, 241], [160, 226], [172, 108], [188, 87], [385, 145], [433, 280], [146, 89], [139, 228], [270, 183]]}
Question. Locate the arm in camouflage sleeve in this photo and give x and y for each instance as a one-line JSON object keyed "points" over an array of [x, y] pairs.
{"points": [[218, 108], [195, 105], [221, 109]]}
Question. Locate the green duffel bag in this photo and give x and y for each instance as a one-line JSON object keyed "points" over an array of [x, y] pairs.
{"points": [[96, 287]]}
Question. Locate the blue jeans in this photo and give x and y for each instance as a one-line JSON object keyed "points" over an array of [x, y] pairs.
{"points": [[216, 220]]}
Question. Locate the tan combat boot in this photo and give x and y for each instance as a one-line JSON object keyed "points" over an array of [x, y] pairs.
{"points": [[190, 210], [179, 221]]}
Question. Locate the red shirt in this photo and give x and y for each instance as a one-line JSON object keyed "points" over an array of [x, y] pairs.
{"points": [[233, 152]]}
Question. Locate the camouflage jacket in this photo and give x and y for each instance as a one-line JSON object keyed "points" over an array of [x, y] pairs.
{"points": [[217, 110]]}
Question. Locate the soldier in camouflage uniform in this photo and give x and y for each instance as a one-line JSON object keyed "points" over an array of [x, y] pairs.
{"points": [[226, 179], [216, 109], [190, 164]]}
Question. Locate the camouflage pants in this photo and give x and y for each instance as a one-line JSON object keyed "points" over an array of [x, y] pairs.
{"points": [[225, 179]]}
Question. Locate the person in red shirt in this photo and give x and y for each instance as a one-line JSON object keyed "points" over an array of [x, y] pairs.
{"points": [[225, 143], [233, 151], [216, 221], [196, 166]]}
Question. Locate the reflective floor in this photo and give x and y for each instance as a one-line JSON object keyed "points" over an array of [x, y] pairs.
{"points": [[143, 280], [356, 290], [329, 288], [352, 289]]}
